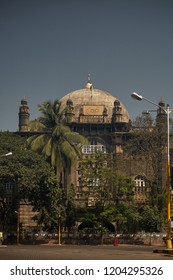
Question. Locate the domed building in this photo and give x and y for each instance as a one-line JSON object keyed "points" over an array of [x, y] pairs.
{"points": [[104, 121], [94, 113], [97, 114], [91, 105]]}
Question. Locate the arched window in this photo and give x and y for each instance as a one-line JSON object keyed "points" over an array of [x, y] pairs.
{"points": [[139, 181], [140, 184]]}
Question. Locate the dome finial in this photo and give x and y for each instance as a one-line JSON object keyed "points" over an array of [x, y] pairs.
{"points": [[89, 78], [89, 83]]}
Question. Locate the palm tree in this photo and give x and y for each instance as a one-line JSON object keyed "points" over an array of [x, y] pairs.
{"points": [[54, 139]]}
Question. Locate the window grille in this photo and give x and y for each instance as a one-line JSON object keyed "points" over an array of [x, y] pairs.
{"points": [[92, 149]]}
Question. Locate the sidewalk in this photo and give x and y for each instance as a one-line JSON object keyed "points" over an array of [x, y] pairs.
{"points": [[163, 251]]}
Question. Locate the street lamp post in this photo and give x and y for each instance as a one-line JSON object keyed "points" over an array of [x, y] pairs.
{"points": [[59, 230], [18, 226], [167, 112]]}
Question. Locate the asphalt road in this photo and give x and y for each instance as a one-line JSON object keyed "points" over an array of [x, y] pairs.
{"points": [[80, 252]]}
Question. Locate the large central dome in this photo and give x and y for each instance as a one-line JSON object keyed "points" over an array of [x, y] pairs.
{"points": [[92, 101]]}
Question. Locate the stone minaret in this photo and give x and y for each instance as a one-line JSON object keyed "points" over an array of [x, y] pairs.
{"points": [[23, 116], [117, 112]]}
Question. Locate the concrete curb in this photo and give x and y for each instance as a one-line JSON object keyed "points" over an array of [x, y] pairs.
{"points": [[163, 251]]}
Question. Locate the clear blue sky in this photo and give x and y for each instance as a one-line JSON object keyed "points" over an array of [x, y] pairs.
{"points": [[48, 47]]}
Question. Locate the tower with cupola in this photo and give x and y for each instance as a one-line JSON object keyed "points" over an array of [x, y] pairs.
{"points": [[24, 116]]}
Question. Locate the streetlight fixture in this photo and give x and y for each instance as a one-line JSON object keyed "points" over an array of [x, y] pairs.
{"points": [[6, 155], [167, 112]]}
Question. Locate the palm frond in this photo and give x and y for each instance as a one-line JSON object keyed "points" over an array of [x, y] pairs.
{"points": [[47, 148], [38, 142], [68, 151], [30, 139], [60, 144], [35, 125], [51, 113], [60, 130], [76, 138]]}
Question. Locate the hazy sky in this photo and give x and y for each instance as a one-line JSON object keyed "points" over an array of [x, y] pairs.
{"points": [[48, 47]]}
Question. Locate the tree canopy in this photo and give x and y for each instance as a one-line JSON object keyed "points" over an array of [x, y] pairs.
{"points": [[34, 178], [55, 140]]}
